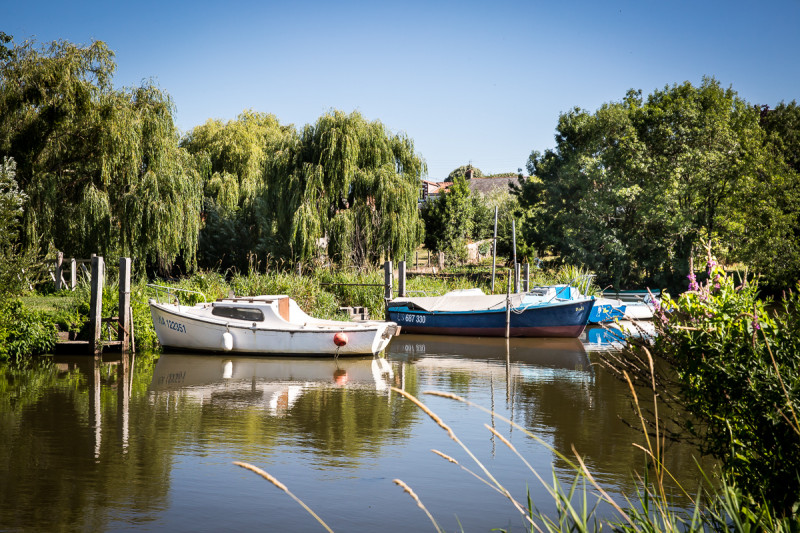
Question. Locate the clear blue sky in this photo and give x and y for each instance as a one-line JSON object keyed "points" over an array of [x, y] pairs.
{"points": [[468, 81]]}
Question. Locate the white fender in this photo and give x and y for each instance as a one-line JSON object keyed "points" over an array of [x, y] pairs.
{"points": [[227, 341]]}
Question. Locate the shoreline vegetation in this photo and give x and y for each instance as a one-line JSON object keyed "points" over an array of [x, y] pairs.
{"points": [[321, 292]]}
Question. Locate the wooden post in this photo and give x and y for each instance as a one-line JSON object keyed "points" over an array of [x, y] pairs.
{"points": [[441, 260], [124, 303], [508, 306], [494, 247], [388, 275], [73, 274], [59, 269], [401, 279], [514, 237], [96, 304], [527, 277], [416, 260]]}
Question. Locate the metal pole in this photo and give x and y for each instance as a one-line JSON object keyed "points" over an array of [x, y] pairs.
{"points": [[494, 247], [516, 278]]}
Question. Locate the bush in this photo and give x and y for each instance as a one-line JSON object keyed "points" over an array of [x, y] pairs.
{"points": [[738, 376], [23, 332]]}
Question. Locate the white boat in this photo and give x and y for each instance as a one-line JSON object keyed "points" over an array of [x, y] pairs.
{"points": [[265, 325]]}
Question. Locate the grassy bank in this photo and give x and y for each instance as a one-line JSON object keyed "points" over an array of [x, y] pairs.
{"points": [[319, 292]]}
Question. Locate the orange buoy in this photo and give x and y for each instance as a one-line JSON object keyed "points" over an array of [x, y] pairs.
{"points": [[340, 339]]}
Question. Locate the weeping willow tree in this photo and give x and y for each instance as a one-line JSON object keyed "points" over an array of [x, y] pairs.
{"points": [[230, 157], [346, 184], [101, 167]]}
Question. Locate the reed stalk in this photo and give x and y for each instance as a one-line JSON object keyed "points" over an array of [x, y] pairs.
{"points": [[281, 486]]}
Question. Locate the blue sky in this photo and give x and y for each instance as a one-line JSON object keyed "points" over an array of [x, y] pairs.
{"points": [[480, 82]]}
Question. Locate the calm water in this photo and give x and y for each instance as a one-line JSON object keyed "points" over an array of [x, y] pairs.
{"points": [[148, 444]]}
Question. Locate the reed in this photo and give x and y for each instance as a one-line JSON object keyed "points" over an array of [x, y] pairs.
{"points": [[281, 486]]}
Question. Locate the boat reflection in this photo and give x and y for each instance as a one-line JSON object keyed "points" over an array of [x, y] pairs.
{"points": [[612, 336], [531, 358], [273, 383]]}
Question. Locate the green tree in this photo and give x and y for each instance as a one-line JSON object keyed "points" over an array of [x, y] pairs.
{"points": [[101, 167], [631, 190], [348, 180], [449, 220], [768, 228], [231, 158], [12, 200], [462, 171]]}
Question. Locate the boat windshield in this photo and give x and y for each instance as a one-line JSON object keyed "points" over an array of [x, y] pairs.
{"points": [[238, 313]]}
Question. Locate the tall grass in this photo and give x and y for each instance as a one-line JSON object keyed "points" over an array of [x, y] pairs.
{"points": [[578, 503]]}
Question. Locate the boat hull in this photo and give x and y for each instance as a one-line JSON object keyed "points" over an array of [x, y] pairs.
{"points": [[177, 329], [567, 319]]}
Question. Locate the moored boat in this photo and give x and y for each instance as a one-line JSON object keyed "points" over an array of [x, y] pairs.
{"points": [[537, 313], [265, 325]]}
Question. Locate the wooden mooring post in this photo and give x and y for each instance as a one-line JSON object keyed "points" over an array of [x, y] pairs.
{"points": [[96, 304], [125, 318], [388, 276], [401, 279], [123, 322]]}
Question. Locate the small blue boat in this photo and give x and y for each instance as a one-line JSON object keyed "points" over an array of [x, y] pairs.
{"points": [[603, 309], [607, 310], [540, 312]]}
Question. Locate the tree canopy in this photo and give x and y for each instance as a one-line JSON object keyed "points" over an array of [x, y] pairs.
{"points": [[346, 180], [101, 167], [632, 189], [462, 171]]}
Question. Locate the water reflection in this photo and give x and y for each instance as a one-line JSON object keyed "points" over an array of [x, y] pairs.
{"points": [[273, 384], [90, 443]]}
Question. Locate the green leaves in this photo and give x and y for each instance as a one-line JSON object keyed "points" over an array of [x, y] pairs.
{"points": [[738, 372], [101, 167], [631, 189]]}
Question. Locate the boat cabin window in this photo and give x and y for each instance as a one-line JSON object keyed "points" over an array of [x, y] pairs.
{"points": [[238, 313]]}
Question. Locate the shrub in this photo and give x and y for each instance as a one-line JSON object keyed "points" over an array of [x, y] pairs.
{"points": [[24, 332], [738, 376]]}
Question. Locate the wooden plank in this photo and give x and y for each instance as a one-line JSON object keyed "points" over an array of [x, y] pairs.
{"points": [[124, 302], [96, 303], [59, 275], [401, 279]]}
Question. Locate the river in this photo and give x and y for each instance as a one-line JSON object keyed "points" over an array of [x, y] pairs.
{"points": [[149, 443]]}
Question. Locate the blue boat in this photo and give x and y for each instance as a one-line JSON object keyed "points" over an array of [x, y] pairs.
{"points": [[603, 309], [607, 310], [540, 312]]}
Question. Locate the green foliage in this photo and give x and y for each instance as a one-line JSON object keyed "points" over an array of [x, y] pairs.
{"points": [[768, 230], [12, 200], [231, 159], [101, 167], [462, 172], [632, 189], [23, 332], [739, 378], [449, 221], [347, 180]]}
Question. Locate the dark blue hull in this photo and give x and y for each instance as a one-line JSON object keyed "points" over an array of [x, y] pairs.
{"points": [[567, 319]]}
